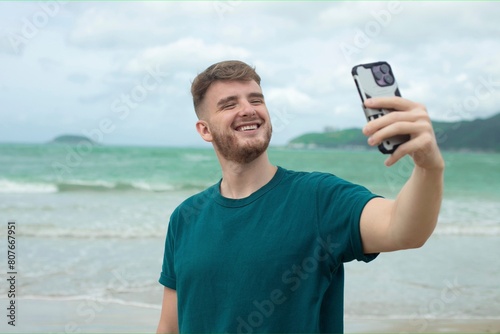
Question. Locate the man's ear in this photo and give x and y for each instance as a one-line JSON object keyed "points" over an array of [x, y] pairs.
{"points": [[204, 130]]}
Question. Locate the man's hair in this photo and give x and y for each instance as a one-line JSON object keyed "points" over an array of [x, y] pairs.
{"points": [[222, 71]]}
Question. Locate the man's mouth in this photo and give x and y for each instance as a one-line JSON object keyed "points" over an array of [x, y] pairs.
{"points": [[248, 127]]}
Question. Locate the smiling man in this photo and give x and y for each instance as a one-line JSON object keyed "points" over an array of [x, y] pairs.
{"points": [[263, 249]]}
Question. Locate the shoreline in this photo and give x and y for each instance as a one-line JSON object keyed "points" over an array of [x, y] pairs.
{"points": [[90, 316], [424, 325]]}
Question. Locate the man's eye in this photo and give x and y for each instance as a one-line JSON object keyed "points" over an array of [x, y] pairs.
{"points": [[229, 106], [256, 101]]}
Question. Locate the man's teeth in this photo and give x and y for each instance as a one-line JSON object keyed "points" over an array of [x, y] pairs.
{"points": [[248, 127]]}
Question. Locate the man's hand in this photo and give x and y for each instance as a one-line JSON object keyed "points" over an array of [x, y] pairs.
{"points": [[410, 118]]}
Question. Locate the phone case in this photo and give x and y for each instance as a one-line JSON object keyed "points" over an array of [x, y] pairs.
{"points": [[375, 80]]}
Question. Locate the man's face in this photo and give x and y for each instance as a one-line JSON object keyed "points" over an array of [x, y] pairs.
{"points": [[235, 119]]}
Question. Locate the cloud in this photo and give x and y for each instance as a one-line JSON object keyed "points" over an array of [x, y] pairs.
{"points": [[291, 98], [137, 25], [347, 15], [78, 78], [91, 53], [185, 54], [95, 98], [22, 24], [417, 24], [7, 44], [49, 64], [105, 27]]}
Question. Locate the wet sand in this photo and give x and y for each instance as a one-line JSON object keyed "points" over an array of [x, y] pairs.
{"points": [[90, 316]]}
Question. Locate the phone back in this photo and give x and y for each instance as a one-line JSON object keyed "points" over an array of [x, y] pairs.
{"points": [[377, 80]]}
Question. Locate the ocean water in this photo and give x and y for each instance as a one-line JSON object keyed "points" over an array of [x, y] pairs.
{"points": [[91, 224]]}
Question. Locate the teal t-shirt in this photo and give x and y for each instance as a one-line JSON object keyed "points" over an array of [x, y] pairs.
{"points": [[271, 262]]}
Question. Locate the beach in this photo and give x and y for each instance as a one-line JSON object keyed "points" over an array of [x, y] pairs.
{"points": [[50, 316], [90, 239], [392, 294]]}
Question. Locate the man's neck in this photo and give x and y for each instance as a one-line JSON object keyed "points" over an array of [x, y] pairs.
{"points": [[242, 180]]}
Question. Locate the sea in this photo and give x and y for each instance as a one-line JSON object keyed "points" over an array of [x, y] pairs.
{"points": [[90, 224]]}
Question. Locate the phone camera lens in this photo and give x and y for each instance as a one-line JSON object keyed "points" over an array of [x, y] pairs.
{"points": [[378, 75], [384, 69], [388, 79]]}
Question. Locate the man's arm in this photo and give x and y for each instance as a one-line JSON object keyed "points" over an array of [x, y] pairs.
{"points": [[168, 318], [409, 220]]}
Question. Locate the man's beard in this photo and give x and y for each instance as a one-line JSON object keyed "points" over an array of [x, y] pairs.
{"points": [[227, 145]]}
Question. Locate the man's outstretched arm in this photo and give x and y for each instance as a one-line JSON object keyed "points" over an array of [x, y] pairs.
{"points": [[409, 220]]}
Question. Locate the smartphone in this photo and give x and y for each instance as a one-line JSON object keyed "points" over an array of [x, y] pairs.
{"points": [[376, 80]]}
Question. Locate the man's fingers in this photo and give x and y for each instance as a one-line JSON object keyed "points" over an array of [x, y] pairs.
{"points": [[392, 102], [415, 115], [394, 129], [400, 152]]}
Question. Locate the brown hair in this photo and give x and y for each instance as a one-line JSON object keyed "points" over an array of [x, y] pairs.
{"points": [[224, 70]]}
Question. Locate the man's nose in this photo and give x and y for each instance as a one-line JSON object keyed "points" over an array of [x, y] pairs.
{"points": [[247, 109]]}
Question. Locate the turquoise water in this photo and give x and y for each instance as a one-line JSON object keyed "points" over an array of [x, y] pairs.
{"points": [[91, 223], [472, 180], [49, 168]]}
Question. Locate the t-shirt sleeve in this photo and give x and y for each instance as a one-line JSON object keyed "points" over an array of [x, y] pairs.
{"points": [[167, 276], [340, 204]]}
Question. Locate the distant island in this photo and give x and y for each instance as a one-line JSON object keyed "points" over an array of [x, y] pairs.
{"points": [[475, 135], [71, 140]]}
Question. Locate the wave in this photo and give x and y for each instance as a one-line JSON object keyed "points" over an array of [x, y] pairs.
{"points": [[11, 187], [134, 232], [15, 187], [102, 300], [112, 233], [348, 316], [463, 230], [111, 186], [412, 318], [193, 157]]}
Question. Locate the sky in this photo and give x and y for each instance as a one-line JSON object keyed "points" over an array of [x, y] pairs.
{"points": [[120, 72]]}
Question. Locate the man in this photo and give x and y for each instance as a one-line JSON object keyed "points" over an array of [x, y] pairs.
{"points": [[263, 249]]}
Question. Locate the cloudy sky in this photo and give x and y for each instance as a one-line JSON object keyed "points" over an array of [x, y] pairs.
{"points": [[120, 72]]}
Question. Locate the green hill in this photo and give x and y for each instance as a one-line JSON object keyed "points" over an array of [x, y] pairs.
{"points": [[71, 140], [476, 135], [334, 139]]}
